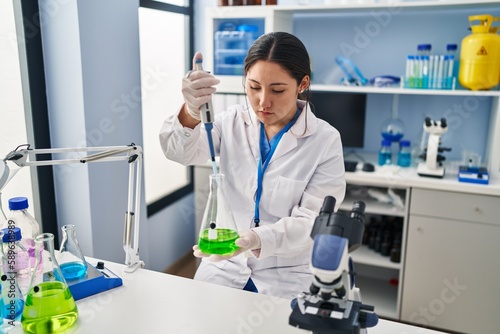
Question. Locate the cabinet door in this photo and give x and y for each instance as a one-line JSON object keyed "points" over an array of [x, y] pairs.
{"points": [[452, 275]]}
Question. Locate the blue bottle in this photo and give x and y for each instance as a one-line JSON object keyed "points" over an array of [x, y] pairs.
{"points": [[385, 153], [404, 154]]}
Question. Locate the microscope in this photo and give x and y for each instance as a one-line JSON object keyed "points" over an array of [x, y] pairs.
{"points": [[333, 304], [433, 166]]}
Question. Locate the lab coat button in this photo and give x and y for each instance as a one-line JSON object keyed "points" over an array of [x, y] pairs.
{"points": [[187, 134]]}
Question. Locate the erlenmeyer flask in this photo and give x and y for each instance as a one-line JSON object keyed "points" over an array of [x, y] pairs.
{"points": [[50, 306], [71, 260], [218, 230]]}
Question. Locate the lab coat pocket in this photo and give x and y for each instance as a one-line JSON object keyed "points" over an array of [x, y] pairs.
{"points": [[286, 194]]}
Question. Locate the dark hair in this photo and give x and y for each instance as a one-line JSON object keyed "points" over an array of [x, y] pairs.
{"points": [[284, 49]]}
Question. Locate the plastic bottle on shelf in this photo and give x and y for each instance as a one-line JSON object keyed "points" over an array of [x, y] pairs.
{"points": [[404, 154], [453, 65], [30, 228], [410, 71], [422, 65], [385, 153]]}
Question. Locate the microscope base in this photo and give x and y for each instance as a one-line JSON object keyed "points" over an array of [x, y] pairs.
{"points": [[423, 170]]}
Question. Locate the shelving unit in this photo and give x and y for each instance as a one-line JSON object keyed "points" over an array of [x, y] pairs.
{"points": [[404, 91]]}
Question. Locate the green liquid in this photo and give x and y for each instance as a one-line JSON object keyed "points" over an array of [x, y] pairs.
{"points": [[49, 308], [222, 245]]}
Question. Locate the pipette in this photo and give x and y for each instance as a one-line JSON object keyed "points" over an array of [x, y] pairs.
{"points": [[207, 117]]}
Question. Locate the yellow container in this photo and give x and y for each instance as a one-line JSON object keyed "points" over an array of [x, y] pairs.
{"points": [[480, 55]]}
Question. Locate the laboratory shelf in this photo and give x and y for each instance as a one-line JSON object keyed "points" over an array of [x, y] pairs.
{"points": [[379, 293], [387, 5], [365, 255], [402, 91]]}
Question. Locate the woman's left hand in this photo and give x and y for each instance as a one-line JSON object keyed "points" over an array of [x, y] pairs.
{"points": [[248, 240]]}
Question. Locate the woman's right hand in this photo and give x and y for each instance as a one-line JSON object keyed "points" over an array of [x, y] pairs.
{"points": [[197, 89]]}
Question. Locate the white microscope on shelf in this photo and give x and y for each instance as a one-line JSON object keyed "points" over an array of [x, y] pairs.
{"points": [[433, 166]]}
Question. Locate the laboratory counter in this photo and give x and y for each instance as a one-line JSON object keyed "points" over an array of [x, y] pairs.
{"points": [[154, 302], [407, 177]]}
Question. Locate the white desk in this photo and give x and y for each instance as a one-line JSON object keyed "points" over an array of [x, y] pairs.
{"points": [[153, 302]]}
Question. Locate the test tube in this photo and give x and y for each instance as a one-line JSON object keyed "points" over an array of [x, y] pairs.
{"points": [[440, 72], [409, 70], [425, 71], [450, 76], [431, 71]]}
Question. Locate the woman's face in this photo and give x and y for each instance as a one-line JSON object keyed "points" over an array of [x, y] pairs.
{"points": [[272, 92]]}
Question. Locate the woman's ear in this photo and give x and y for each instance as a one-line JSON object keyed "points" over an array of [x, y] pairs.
{"points": [[304, 84]]}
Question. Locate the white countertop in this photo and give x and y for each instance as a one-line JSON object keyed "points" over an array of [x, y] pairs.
{"points": [[154, 302], [398, 177]]}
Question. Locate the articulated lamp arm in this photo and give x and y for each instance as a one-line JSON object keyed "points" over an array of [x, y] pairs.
{"points": [[24, 156]]}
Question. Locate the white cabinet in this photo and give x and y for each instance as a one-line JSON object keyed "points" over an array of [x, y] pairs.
{"points": [[452, 262]]}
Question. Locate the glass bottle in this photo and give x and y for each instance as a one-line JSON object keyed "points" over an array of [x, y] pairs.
{"points": [[30, 228], [404, 154], [50, 306], [17, 257], [11, 297], [71, 260], [218, 230], [385, 153]]}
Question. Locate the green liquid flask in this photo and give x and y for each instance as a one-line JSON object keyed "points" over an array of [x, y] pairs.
{"points": [[49, 306], [218, 230], [71, 260]]}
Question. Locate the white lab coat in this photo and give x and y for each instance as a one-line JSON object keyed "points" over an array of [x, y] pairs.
{"points": [[306, 166]]}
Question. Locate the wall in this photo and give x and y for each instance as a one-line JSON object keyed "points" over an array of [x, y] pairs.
{"points": [[92, 61]]}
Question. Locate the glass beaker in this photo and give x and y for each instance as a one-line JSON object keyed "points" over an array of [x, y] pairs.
{"points": [[49, 306], [71, 260], [218, 230]]}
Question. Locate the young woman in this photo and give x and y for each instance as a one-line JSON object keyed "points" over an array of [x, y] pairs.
{"points": [[279, 162]]}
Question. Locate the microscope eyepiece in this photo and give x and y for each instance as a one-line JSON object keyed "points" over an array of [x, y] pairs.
{"points": [[328, 205]]}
